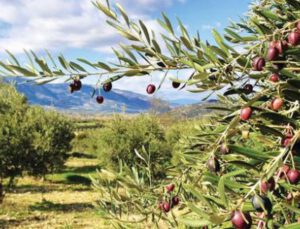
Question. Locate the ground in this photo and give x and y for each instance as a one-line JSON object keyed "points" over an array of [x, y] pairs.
{"points": [[63, 200]]}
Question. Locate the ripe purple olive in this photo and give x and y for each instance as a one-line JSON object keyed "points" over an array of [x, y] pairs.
{"points": [[100, 99], [246, 113], [277, 104], [281, 46], [274, 78], [166, 206], [77, 85], [273, 54], [273, 44], [175, 200], [175, 84], [241, 220], [71, 88], [283, 171], [286, 141], [258, 64], [261, 203], [213, 165], [107, 87], [170, 188], [294, 38], [151, 89], [267, 185], [293, 176], [248, 88]]}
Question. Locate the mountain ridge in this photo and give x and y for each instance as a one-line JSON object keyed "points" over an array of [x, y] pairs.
{"points": [[57, 96]]}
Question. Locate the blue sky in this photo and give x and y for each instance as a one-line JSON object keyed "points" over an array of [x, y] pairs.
{"points": [[76, 29]]}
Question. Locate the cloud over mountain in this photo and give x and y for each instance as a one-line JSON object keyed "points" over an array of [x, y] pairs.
{"points": [[60, 24]]}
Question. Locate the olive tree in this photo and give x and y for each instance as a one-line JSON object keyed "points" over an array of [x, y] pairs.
{"points": [[242, 168], [32, 140]]}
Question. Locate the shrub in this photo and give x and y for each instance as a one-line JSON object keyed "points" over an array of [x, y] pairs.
{"points": [[51, 136], [32, 140], [14, 132], [124, 136]]}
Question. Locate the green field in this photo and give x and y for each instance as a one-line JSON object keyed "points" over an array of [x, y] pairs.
{"points": [[63, 200], [67, 199]]}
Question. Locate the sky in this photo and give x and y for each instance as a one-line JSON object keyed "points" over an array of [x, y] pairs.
{"points": [[77, 29]]}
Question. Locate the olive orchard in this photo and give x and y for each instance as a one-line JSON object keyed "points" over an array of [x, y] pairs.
{"points": [[241, 169]]}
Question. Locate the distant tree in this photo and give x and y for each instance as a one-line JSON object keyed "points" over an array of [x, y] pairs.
{"points": [[32, 140], [51, 136], [14, 134], [123, 136]]}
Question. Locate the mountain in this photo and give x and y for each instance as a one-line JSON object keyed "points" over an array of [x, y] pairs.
{"points": [[194, 110], [181, 102], [58, 97]]}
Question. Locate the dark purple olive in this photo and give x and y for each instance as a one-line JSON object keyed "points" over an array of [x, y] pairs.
{"points": [[107, 87], [273, 54], [294, 38], [77, 85], [258, 64], [282, 46], [274, 78], [175, 200], [71, 87], [166, 207], [175, 84], [267, 185], [241, 220], [293, 176], [100, 99], [151, 89], [248, 89]]}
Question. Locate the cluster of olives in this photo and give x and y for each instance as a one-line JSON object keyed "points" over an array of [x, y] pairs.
{"points": [[76, 86], [275, 52], [107, 88], [170, 200]]}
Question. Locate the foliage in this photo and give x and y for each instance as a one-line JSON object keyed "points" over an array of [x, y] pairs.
{"points": [[31, 140], [124, 136], [223, 166], [14, 134], [51, 135]]}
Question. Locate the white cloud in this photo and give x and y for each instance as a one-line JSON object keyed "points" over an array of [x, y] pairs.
{"points": [[61, 24], [209, 26], [58, 25]]}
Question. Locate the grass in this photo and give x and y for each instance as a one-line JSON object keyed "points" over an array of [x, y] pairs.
{"points": [[63, 200], [66, 199]]}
